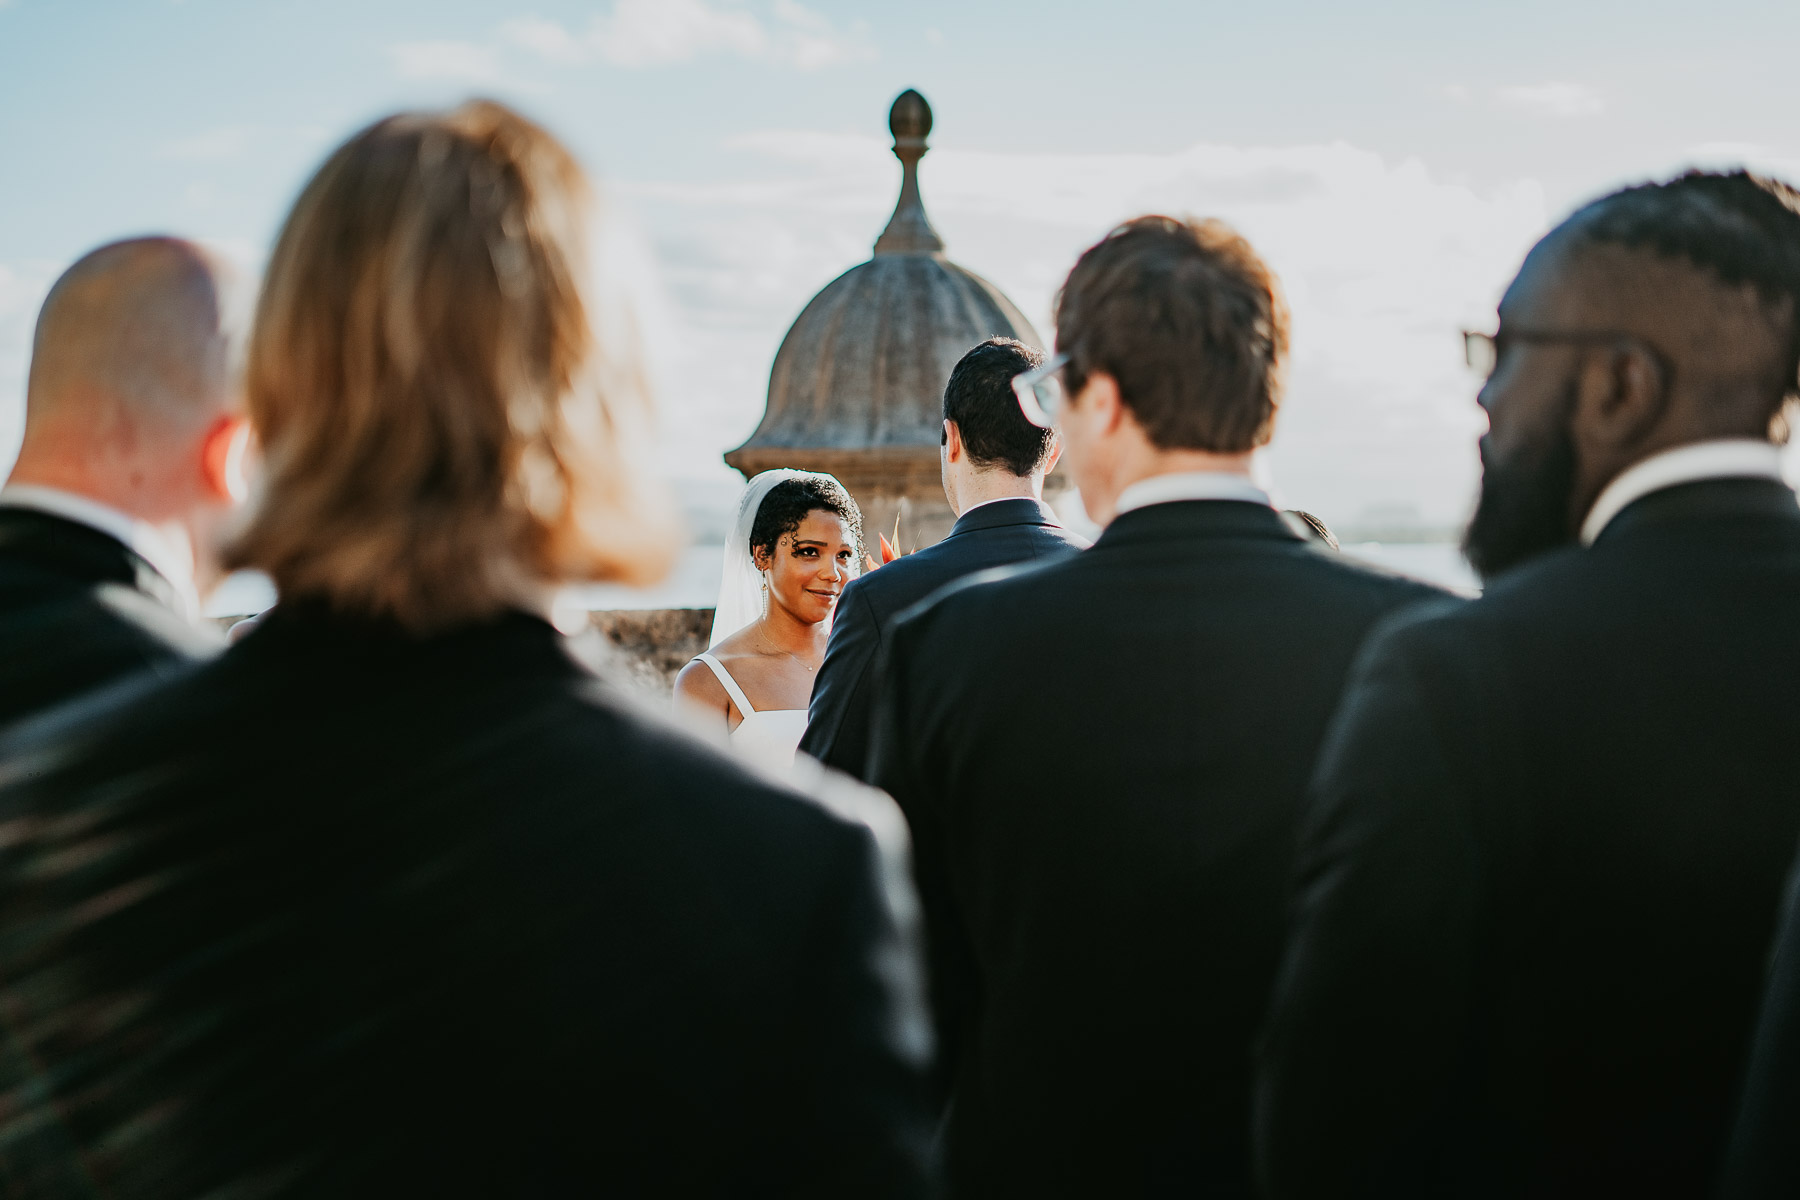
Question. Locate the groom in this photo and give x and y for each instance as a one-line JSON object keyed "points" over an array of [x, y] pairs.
{"points": [[994, 463], [1102, 758]]}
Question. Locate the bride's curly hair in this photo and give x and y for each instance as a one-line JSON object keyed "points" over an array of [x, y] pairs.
{"points": [[788, 503]]}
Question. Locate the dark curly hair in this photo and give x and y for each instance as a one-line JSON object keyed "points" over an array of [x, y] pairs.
{"points": [[1742, 228], [789, 501], [979, 398]]}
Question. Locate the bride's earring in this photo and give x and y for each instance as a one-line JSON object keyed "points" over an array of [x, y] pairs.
{"points": [[765, 592]]}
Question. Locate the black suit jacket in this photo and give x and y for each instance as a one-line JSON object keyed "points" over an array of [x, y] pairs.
{"points": [[1763, 1160], [1102, 759], [349, 913], [1542, 868], [79, 610], [993, 535]]}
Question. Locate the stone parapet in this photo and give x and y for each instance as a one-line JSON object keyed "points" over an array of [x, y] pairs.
{"points": [[646, 648]]}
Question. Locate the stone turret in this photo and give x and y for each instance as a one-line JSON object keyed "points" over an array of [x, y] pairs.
{"points": [[858, 384]]}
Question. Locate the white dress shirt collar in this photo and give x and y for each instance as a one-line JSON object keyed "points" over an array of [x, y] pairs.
{"points": [[1190, 485], [170, 560], [1723, 458]]}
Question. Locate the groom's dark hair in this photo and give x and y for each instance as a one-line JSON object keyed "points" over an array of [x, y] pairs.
{"points": [[980, 399]]}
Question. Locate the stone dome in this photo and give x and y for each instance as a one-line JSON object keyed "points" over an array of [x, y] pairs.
{"points": [[857, 386]]}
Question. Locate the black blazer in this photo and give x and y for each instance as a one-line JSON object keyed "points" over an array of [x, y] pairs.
{"points": [[1102, 759], [348, 913], [79, 610], [1542, 868], [993, 535], [1763, 1159]]}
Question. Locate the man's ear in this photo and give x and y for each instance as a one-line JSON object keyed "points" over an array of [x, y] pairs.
{"points": [[1055, 455], [223, 452], [1101, 394], [1622, 395], [953, 443]]}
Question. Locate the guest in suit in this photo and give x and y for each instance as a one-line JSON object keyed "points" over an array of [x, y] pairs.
{"points": [[391, 899], [1102, 757], [132, 455], [1541, 869], [994, 462]]}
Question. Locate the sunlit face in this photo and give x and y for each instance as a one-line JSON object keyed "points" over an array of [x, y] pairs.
{"points": [[1528, 454], [810, 566]]}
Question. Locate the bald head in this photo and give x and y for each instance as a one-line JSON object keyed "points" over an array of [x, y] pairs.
{"points": [[133, 397], [137, 339]]}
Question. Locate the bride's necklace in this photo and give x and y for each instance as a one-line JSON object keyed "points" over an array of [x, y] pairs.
{"points": [[779, 650]]}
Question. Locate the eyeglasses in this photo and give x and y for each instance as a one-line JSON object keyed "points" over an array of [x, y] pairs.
{"points": [[1040, 392], [1482, 350]]}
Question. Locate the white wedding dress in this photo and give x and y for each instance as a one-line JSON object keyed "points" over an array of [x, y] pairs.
{"points": [[767, 738]]}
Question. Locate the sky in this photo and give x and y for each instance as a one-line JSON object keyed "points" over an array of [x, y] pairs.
{"points": [[1393, 161]]}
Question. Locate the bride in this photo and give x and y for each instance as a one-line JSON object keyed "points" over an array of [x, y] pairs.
{"points": [[796, 543]]}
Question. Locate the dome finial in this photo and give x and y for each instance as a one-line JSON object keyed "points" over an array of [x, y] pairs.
{"points": [[909, 230]]}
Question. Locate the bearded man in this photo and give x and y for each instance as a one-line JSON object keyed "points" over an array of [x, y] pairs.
{"points": [[1549, 829]]}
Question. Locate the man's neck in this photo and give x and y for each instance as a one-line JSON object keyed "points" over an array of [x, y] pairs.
{"points": [[1172, 462], [986, 486], [78, 478]]}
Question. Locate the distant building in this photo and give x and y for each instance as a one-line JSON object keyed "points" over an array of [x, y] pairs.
{"points": [[858, 384]]}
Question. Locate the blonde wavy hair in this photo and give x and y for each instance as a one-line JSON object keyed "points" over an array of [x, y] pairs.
{"points": [[450, 421]]}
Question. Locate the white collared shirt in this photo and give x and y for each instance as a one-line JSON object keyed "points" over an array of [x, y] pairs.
{"points": [[1721, 458], [1190, 485], [173, 562]]}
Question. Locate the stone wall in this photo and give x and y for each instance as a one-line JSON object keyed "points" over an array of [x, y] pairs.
{"points": [[646, 648], [640, 649]]}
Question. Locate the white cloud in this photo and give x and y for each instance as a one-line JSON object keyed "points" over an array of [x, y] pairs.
{"points": [[1383, 264], [545, 38], [653, 33], [648, 33], [456, 62], [1553, 99], [213, 144]]}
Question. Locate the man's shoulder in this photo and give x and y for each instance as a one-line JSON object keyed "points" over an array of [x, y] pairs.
{"points": [[608, 735], [1512, 617], [583, 743], [1055, 539], [1529, 600], [911, 578], [1012, 591], [87, 596], [54, 648], [1384, 586], [130, 720]]}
